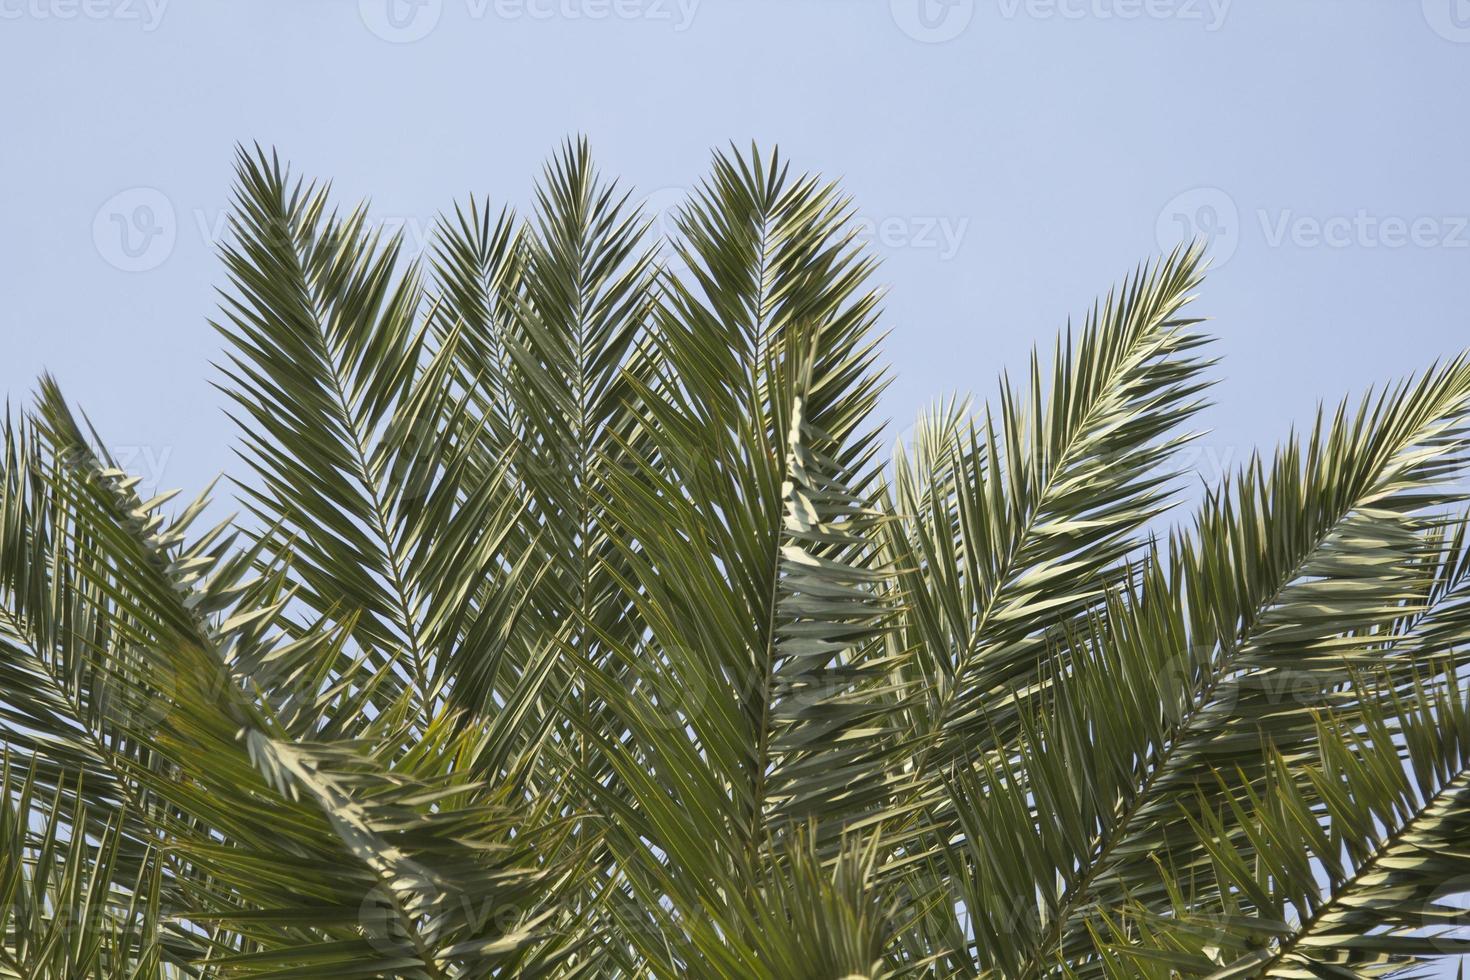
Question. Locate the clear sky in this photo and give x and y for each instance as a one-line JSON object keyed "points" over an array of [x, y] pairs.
{"points": [[1013, 158]]}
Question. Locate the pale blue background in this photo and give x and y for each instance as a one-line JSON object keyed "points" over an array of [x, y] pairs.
{"points": [[1054, 141]]}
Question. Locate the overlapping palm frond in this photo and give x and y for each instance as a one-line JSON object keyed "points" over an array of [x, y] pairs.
{"points": [[751, 700], [73, 907], [577, 628], [282, 840], [1017, 523], [1274, 623], [1352, 865]]}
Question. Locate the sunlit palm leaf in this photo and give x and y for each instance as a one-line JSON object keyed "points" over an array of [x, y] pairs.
{"points": [[576, 628]]}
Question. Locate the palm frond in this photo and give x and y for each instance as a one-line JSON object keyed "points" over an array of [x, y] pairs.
{"points": [[1353, 863], [1290, 583], [577, 628], [1014, 527], [72, 905], [250, 810]]}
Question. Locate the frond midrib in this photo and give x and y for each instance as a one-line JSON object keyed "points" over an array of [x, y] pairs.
{"points": [[1075, 900], [1146, 344], [1448, 794]]}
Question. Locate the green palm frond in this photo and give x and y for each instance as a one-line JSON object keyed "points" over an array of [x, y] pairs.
{"points": [[1353, 864], [334, 808], [71, 905], [1239, 643], [1018, 522], [576, 626]]}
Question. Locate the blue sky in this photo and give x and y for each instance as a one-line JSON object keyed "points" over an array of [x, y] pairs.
{"points": [[1011, 158]]}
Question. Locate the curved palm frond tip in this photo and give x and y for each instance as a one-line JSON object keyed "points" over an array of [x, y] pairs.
{"points": [[576, 625]]}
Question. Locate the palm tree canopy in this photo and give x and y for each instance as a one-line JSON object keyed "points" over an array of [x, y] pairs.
{"points": [[577, 622]]}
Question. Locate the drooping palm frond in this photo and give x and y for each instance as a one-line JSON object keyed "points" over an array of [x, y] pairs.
{"points": [[1229, 644], [72, 907], [324, 825], [1274, 625], [1353, 863], [576, 628]]}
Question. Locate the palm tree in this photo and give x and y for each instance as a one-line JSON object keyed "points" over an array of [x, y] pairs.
{"points": [[577, 625]]}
